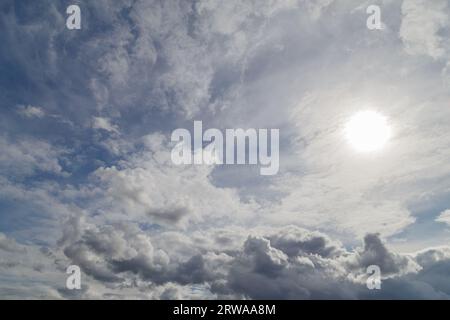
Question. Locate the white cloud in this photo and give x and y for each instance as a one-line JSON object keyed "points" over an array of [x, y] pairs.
{"points": [[150, 187], [421, 23], [104, 124], [444, 217], [9, 245], [27, 156], [31, 271], [31, 111]]}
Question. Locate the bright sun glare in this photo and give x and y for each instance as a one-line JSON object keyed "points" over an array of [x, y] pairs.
{"points": [[367, 131]]}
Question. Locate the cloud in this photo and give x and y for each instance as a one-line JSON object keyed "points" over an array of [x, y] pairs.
{"points": [[9, 245], [265, 265], [422, 21], [31, 272], [376, 253], [31, 111], [263, 272], [444, 217], [295, 241], [27, 156], [153, 189], [107, 251], [104, 124], [100, 179], [316, 7], [124, 261]]}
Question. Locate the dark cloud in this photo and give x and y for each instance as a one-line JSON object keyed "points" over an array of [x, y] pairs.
{"points": [[108, 251], [375, 253], [278, 263], [294, 241]]}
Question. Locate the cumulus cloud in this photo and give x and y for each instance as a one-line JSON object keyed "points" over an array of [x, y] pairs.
{"points": [[124, 261], [444, 217], [149, 185], [265, 265], [106, 251], [31, 111], [261, 271], [104, 124]]}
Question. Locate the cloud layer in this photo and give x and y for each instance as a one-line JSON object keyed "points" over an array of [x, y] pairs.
{"points": [[86, 176]]}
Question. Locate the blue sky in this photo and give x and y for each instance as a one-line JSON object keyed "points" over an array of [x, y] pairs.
{"points": [[85, 170]]}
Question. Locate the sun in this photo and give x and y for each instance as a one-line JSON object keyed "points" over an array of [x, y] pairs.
{"points": [[367, 131]]}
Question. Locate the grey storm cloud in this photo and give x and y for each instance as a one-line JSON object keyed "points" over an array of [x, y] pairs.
{"points": [[308, 265]]}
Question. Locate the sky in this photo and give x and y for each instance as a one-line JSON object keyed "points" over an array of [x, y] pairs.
{"points": [[86, 176]]}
